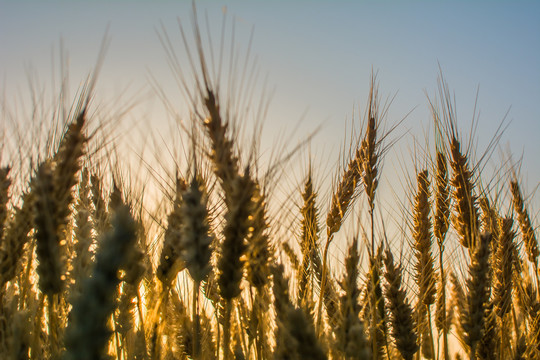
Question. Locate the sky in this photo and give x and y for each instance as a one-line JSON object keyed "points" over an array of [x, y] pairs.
{"points": [[314, 62]]}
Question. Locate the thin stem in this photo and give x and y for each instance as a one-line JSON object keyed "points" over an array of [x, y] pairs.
{"points": [[443, 295], [502, 338], [54, 336], [374, 323], [430, 326], [371, 216], [537, 278], [196, 323], [323, 284], [227, 330], [116, 338], [218, 335], [260, 329], [141, 318], [374, 306], [516, 326]]}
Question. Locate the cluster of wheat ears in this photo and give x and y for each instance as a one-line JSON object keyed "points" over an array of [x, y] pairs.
{"points": [[81, 278]]}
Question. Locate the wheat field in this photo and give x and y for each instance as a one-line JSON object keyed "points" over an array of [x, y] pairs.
{"points": [[89, 271]]}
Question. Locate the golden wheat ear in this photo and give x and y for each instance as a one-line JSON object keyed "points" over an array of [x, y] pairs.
{"points": [[441, 217], [441, 223], [222, 152], [195, 245], [83, 233], [259, 252], [401, 314], [236, 229], [195, 239], [374, 307], [308, 243], [424, 275], [170, 263], [466, 220], [233, 247], [478, 291], [527, 231], [16, 237], [344, 195], [350, 332], [503, 268]]}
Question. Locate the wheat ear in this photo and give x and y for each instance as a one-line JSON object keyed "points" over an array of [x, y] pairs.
{"points": [[222, 151], [341, 202], [490, 344], [195, 244], [363, 166], [401, 315], [503, 267], [259, 252], [100, 213], [344, 194], [527, 230], [291, 255], [477, 297], [441, 218], [295, 335], [375, 306], [529, 304], [457, 306], [351, 339], [233, 247], [259, 322], [83, 233], [88, 332], [490, 219], [67, 164], [50, 264], [16, 236], [195, 239], [441, 222], [466, 209], [308, 242], [170, 262], [424, 268], [236, 229]]}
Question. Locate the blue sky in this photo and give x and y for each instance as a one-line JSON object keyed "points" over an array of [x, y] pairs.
{"points": [[317, 59]]}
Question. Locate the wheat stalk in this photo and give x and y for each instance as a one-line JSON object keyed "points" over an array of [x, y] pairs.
{"points": [[401, 314], [88, 333], [466, 210], [233, 247], [259, 252], [441, 223], [503, 267], [425, 275], [295, 335], [170, 262], [308, 242], [350, 332], [527, 231], [478, 291]]}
